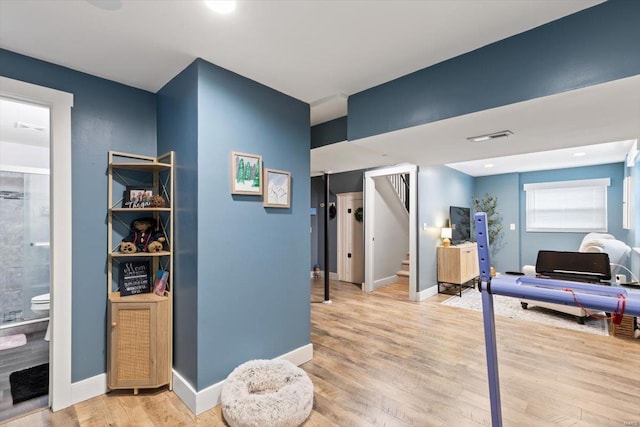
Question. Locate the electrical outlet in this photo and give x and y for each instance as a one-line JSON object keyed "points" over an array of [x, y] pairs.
{"points": [[512, 226]]}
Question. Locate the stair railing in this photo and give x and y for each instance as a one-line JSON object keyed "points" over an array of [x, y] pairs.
{"points": [[400, 184]]}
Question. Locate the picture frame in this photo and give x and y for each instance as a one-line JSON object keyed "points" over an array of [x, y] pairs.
{"points": [[134, 277], [277, 192], [246, 174], [137, 196]]}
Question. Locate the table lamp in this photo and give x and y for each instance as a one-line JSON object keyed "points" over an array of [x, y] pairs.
{"points": [[445, 233]]}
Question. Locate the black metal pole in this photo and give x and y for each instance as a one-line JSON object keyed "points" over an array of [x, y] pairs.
{"points": [[326, 238]]}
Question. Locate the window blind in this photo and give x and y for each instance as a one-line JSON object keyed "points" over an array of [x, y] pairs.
{"points": [[567, 206]]}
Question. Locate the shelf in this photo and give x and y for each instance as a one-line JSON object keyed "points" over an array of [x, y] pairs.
{"points": [[140, 209], [147, 297], [139, 331], [141, 166], [139, 254]]}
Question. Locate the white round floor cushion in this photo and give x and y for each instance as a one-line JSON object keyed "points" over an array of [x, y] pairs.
{"points": [[273, 393]]}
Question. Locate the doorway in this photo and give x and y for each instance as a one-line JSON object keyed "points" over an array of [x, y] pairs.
{"points": [[370, 226], [59, 105], [350, 238]]}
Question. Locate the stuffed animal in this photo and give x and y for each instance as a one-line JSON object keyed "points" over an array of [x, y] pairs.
{"points": [[157, 201], [143, 237]]}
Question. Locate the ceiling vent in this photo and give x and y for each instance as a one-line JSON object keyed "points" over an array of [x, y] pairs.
{"points": [[23, 125], [490, 136]]}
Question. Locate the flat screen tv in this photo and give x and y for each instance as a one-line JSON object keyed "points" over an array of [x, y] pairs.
{"points": [[460, 221]]}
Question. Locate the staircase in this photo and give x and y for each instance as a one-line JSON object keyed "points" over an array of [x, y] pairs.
{"points": [[403, 275], [400, 183]]}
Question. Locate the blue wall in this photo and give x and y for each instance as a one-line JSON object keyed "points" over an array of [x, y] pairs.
{"points": [[178, 131], [438, 188], [593, 46], [105, 116], [251, 279], [506, 255], [518, 247], [531, 243], [329, 132]]}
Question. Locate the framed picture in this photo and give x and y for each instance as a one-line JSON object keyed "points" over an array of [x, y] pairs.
{"points": [[134, 278], [136, 197], [277, 189], [246, 174]]}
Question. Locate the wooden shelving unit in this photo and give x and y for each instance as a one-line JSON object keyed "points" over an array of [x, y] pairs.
{"points": [[139, 335]]}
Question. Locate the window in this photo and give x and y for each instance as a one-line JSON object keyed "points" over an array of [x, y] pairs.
{"points": [[567, 206]]}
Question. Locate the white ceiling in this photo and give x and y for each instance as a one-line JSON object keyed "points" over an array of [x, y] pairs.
{"points": [[313, 50], [22, 123], [321, 52]]}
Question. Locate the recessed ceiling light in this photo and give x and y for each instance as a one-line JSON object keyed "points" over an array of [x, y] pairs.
{"points": [[579, 154], [221, 6], [487, 137], [488, 165]]}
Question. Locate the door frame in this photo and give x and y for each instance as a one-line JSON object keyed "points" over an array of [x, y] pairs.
{"points": [[341, 197], [369, 221], [59, 104]]}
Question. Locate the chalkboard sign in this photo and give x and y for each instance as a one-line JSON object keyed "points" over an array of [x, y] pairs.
{"points": [[135, 277]]}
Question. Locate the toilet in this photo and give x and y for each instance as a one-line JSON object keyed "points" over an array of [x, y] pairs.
{"points": [[40, 306]]}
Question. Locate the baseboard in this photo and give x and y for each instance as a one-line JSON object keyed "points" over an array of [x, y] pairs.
{"points": [[201, 401], [427, 293], [89, 388], [332, 275], [384, 282]]}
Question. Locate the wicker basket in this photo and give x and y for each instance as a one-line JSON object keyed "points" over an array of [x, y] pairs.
{"points": [[625, 329]]}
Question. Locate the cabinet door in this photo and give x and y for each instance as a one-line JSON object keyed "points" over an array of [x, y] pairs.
{"points": [[133, 345], [469, 263], [449, 264]]}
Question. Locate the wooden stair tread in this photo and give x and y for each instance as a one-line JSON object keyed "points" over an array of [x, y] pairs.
{"points": [[403, 273], [406, 262]]}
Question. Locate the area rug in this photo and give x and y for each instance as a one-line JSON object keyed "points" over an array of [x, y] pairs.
{"points": [[29, 383], [12, 341], [510, 307]]}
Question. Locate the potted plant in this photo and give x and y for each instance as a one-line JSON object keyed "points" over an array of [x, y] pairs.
{"points": [[488, 204]]}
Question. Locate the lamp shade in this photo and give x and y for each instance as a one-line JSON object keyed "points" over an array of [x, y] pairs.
{"points": [[445, 233]]}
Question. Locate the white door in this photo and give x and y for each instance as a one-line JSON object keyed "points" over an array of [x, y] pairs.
{"points": [[350, 238]]}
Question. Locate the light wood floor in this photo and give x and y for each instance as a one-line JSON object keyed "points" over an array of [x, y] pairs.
{"points": [[380, 360]]}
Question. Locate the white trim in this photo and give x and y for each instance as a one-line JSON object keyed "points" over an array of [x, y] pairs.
{"points": [[59, 104], [199, 402], [427, 293], [187, 393], [332, 275], [369, 208], [89, 388], [385, 282], [24, 169], [632, 154], [637, 250], [298, 356]]}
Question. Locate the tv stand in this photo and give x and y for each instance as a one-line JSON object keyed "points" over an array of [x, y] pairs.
{"points": [[457, 267]]}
